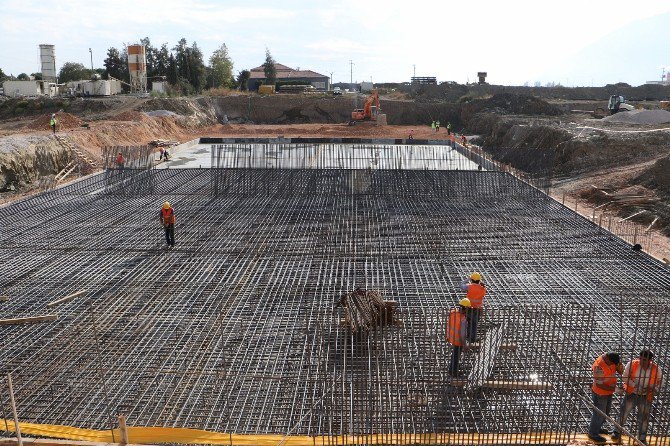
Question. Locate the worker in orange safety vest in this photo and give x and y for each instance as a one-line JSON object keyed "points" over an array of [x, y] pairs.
{"points": [[168, 220], [642, 378], [475, 292], [457, 333], [604, 370]]}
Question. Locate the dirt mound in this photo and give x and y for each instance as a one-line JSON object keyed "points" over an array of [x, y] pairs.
{"points": [[657, 176], [508, 103], [129, 116], [640, 117], [64, 120]]}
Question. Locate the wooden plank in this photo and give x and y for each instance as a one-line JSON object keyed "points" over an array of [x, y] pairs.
{"points": [[28, 320], [502, 384], [66, 298], [506, 347]]}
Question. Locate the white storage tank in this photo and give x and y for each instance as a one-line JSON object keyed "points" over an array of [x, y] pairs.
{"points": [[48, 62]]}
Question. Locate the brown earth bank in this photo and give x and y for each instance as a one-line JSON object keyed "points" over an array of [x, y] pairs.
{"points": [[557, 138]]}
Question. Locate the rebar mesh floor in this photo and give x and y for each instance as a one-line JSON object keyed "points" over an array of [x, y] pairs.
{"points": [[235, 330]]}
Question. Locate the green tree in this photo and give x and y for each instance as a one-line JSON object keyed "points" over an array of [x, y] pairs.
{"points": [[242, 79], [269, 68], [73, 71], [220, 68], [150, 54], [37, 76], [3, 76], [197, 71], [23, 77], [181, 59], [114, 65], [162, 61]]}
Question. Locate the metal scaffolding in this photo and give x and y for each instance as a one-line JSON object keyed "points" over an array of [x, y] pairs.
{"points": [[235, 330]]}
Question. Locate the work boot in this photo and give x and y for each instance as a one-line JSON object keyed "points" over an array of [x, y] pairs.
{"points": [[616, 437], [604, 431], [597, 439]]}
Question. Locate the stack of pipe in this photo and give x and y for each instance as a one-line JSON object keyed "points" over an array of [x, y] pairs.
{"points": [[365, 309]]}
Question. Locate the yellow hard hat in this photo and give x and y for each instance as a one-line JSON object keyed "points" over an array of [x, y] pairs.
{"points": [[475, 276], [465, 302], [166, 205]]}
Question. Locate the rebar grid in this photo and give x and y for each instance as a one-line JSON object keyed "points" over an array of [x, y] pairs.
{"points": [[235, 331]]}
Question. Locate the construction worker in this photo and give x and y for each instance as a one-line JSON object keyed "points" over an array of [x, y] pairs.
{"points": [[642, 378], [168, 220], [457, 333], [119, 161], [448, 128], [464, 141], [475, 292], [53, 123], [437, 125], [411, 134], [432, 126], [604, 370], [452, 139]]}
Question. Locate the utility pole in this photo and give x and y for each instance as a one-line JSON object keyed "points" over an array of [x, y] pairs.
{"points": [[414, 70], [91, 51], [331, 80], [351, 79]]}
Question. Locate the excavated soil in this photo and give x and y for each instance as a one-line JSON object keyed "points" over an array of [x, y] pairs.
{"points": [[64, 121]]}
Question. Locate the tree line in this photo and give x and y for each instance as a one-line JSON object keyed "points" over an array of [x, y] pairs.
{"points": [[182, 66]]}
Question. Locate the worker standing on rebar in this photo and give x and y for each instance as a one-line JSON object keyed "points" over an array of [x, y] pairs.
{"points": [[168, 220], [457, 333], [475, 292], [604, 370], [452, 139], [53, 123], [642, 378], [120, 161], [448, 128], [432, 126], [437, 125]]}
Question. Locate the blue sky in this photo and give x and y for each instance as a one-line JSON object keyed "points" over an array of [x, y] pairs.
{"points": [[515, 41]]}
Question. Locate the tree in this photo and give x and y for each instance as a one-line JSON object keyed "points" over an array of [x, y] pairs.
{"points": [[269, 68], [114, 65], [162, 61], [73, 71], [242, 79], [150, 54], [197, 71], [23, 77], [220, 68], [37, 76], [3, 76]]}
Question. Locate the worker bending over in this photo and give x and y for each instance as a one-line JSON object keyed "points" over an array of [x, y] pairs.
{"points": [[475, 292], [457, 333], [642, 378], [604, 370], [168, 220]]}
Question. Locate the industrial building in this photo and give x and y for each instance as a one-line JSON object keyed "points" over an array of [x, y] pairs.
{"points": [[287, 74], [234, 336], [29, 88]]}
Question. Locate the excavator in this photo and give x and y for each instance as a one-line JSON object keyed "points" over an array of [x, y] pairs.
{"points": [[618, 104], [369, 111]]}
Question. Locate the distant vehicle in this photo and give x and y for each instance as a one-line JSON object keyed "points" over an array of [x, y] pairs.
{"points": [[337, 91], [618, 104]]}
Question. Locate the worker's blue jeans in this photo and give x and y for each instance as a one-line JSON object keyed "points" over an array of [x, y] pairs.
{"points": [[630, 401], [603, 403], [472, 316]]}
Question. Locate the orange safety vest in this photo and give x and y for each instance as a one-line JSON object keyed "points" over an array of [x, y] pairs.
{"points": [[476, 293], [629, 385], [609, 376], [168, 216], [456, 328]]}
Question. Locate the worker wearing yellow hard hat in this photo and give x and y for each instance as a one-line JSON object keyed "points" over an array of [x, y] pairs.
{"points": [[475, 292], [168, 220], [457, 333]]}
